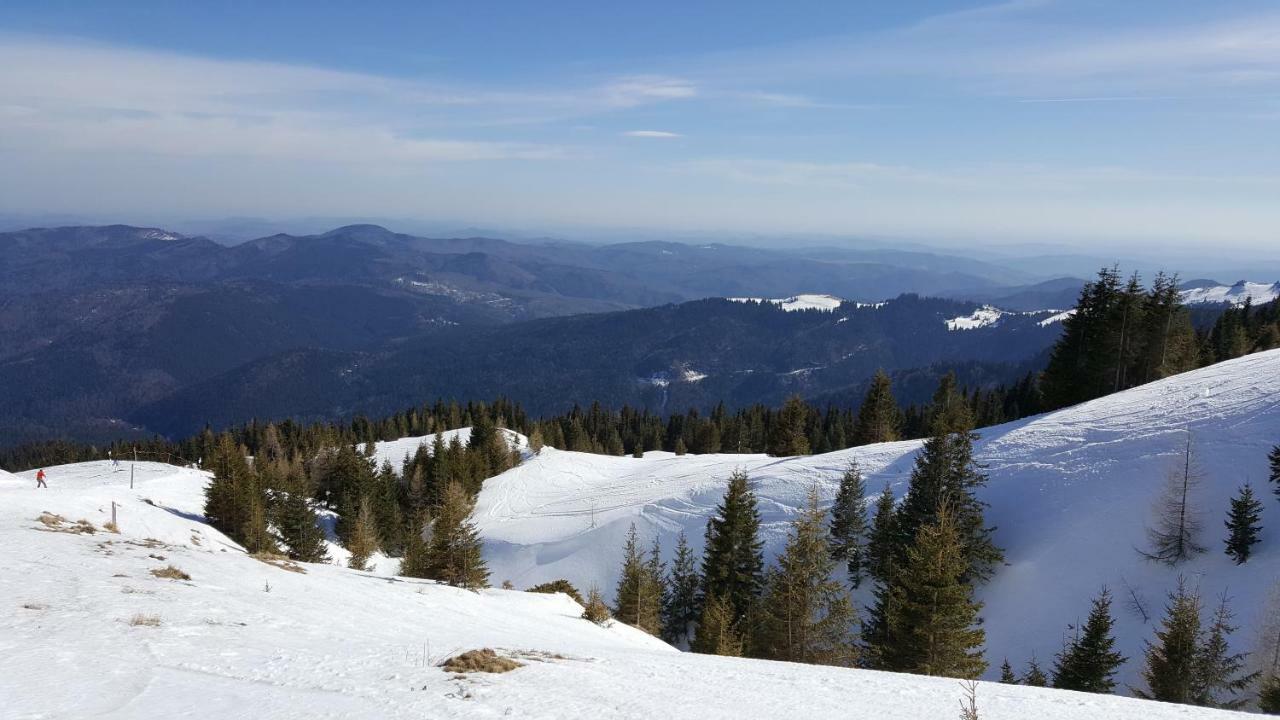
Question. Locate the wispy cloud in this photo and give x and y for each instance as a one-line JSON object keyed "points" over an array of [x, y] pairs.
{"points": [[651, 134]]}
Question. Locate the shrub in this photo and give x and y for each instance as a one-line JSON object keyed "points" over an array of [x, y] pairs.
{"points": [[141, 620], [559, 586], [170, 572], [595, 608], [482, 660]]}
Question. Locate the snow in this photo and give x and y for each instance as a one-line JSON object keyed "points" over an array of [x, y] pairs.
{"points": [[395, 451], [243, 638], [1070, 493], [825, 303], [984, 316], [1057, 317], [1234, 294]]}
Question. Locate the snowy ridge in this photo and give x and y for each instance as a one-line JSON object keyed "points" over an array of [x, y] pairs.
{"points": [[243, 638], [826, 303], [1070, 493], [1235, 295], [985, 316], [395, 451]]}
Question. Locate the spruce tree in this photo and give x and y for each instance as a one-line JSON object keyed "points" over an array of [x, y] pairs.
{"points": [[849, 524], [227, 495], [733, 561], [1269, 695], [595, 608], [1089, 662], [881, 543], [415, 562], [681, 610], [787, 436], [362, 540], [638, 599], [718, 632], [1006, 673], [1174, 536], [300, 529], [254, 534], [1173, 660], [1219, 671], [932, 621], [806, 615], [454, 555], [1034, 677], [879, 419], [1273, 459], [1243, 525]]}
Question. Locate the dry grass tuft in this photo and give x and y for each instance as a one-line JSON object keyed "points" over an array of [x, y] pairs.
{"points": [[141, 620], [56, 523], [50, 520], [482, 660], [111, 527], [171, 572], [34, 606], [280, 561]]}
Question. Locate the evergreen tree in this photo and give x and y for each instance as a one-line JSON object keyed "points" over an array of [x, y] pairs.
{"points": [[595, 608], [787, 436], [639, 595], [932, 621], [807, 616], [454, 555], [879, 419], [300, 529], [733, 563], [1173, 660], [1006, 673], [1218, 670], [1243, 525], [1089, 661], [362, 540], [1175, 534], [254, 534], [1269, 695], [227, 495], [1273, 459], [416, 560], [718, 632], [881, 544], [849, 524], [1034, 676], [681, 610]]}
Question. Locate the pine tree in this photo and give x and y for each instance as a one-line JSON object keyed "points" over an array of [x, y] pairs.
{"points": [[717, 630], [1172, 661], [1034, 676], [362, 541], [807, 616], [681, 610], [1089, 661], [849, 524], [638, 598], [881, 543], [1006, 673], [733, 563], [1269, 695], [595, 608], [415, 563], [932, 621], [454, 555], [1273, 459], [227, 495], [1218, 670], [787, 436], [1243, 525], [1175, 534], [879, 419], [300, 530]]}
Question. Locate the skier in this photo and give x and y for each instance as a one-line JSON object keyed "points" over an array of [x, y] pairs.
{"points": [[40, 483]]}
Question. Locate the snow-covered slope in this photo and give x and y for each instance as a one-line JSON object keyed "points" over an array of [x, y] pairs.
{"points": [[798, 302], [1070, 492], [396, 451], [1234, 294], [88, 631]]}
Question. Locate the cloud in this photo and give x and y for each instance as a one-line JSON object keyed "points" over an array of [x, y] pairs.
{"points": [[651, 134]]}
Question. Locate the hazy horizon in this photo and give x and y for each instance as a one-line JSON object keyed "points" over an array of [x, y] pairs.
{"points": [[1075, 125]]}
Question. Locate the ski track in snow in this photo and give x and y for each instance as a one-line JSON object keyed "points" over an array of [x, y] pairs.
{"points": [[1070, 493]]}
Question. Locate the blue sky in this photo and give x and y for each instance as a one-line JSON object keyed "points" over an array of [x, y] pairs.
{"points": [[1085, 122]]}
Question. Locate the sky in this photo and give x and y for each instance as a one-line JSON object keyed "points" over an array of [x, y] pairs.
{"points": [[1092, 123]]}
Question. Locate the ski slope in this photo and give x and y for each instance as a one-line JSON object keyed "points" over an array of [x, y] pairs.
{"points": [[1069, 491], [397, 451], [245, 639], [825, 303]]}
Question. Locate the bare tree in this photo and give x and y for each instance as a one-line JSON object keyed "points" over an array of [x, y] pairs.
{"points": [[1177, 525]]}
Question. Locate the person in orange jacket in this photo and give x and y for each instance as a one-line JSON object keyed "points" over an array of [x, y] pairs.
{"points": [[40, 483]]}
